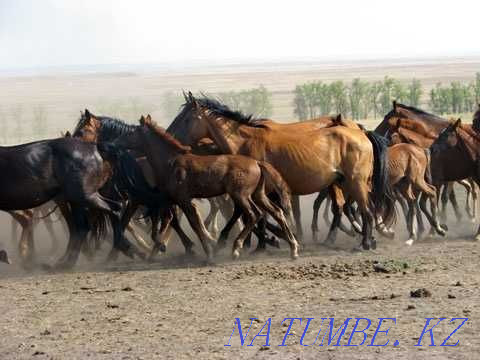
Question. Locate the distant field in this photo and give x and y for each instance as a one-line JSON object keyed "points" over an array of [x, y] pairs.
{"points": [[60, 96]]}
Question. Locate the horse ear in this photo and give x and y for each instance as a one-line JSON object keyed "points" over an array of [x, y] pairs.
{"points": [[142, 120], [193, 101], [148, 118], [185, 96], [87, 114], [394, 104], [457, 123], [67, 134], [338, 119]]}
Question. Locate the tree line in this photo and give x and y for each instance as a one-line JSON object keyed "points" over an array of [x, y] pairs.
{"points": [[362, 99], [359, 99], [455, 98]]}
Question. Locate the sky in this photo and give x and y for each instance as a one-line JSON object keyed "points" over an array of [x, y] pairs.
{"points": [[75, 32]]}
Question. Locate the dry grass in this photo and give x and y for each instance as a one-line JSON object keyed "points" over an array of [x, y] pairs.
{"points": [[129, 94]]}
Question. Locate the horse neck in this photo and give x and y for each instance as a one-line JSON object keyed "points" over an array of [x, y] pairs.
{"points": [[226, 133], [157, 151], [111, 133], [470, 143]]}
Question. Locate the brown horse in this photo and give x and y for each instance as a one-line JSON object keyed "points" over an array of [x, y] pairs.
{"points": [[309, 161], [456, 155], [409, 169], [407, 124], [185, 176]]}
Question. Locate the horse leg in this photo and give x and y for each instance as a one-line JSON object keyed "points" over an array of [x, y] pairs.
{"points": [[45, 213], [419, 217], [338, 201], [78, 228], [432, 215], [350, 214], [278, 215], [193, 216], [166, 217], [297, 217], [112, 208], [187, 243], [211, 218], [222, 240], [249, 220], [474, 199], [26, 246], [316, 208], [410, 225], [453, 199]]}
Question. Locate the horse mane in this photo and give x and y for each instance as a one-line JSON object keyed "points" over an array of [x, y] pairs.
{"points": [[418, 114], [110, 128], [166, 137], [220, 109]]}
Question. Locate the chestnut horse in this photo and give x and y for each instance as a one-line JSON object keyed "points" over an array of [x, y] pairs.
{"points": [[309, 161], [185, 176]]}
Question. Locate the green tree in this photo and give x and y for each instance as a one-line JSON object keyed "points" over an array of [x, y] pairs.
{"points": [[374, 92], [414, 93], [386, 95], [357, 93], [477, 88], [339, 97]]}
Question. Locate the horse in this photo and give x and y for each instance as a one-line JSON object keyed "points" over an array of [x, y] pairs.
{"points": [[409, 173], [455, 155], [185, 176], [407, 124], [309, 161], [67, 171]]}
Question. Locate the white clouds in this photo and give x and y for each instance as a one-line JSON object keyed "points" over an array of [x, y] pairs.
{"points": [[59, 32]]}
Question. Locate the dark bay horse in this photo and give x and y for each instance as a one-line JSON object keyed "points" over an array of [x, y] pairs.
{"points": [[93, 128], [68, 171], [407, 124], [309, 161], [185, 176], [456, 155]]}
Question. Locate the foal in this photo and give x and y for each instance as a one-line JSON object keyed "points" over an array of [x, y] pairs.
{"points": [[185, 176]]}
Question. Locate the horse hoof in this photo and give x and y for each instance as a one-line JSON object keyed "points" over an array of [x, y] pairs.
{"points": [[373, 244], [409, 242], [235, 254], [162, 248]]}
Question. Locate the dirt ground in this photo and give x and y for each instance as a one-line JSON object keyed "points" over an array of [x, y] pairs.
{"points": [[178, 308]]}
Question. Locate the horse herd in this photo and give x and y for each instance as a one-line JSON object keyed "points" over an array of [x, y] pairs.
{"points": [[108, 174]]}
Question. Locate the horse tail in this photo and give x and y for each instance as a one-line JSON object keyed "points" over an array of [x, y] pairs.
{"points": [[128, 176], [382, 196], [98, 221], [277, 187]]}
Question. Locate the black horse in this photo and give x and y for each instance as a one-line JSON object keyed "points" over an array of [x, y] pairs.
{"points": [[105, 129], [70, 172]]}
